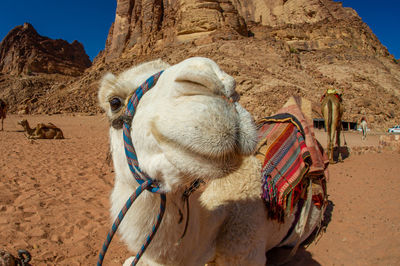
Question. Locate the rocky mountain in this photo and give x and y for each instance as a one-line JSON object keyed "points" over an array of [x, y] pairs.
{"points": [[34, 68], [273, 48], [142, 26], [23, 50], [302, 24]]}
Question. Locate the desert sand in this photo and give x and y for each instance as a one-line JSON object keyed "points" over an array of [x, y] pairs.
{"points": [[54, 199]]}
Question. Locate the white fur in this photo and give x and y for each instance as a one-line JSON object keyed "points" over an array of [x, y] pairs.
{"points": [[185, 128], [125, 83], [364, 128]]}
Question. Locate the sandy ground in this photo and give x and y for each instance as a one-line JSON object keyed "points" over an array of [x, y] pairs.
{"points": [[54, 199]]}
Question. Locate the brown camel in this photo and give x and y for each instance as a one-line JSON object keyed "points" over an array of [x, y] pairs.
{"points": [[332, 111], [42, 131], [7, 258], [3, 112]]}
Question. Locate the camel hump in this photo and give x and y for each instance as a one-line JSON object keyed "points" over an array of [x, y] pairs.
{"points": [[51, 125], [48, 126]]}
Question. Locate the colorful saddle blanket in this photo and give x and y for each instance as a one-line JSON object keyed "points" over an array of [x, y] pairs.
{"points": [[289, 152]]}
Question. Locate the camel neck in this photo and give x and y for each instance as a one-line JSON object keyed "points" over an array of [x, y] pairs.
{"points": [[28, 129]]}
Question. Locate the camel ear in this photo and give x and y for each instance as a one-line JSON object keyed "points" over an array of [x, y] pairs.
{"points": [[107, 86], [201, 71], [109, 80]]}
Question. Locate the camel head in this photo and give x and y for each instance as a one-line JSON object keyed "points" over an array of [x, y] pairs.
{"points": [[188, 126], [24, 123], [115, 91]]}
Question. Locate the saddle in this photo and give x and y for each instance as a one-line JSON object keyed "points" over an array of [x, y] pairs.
{"points": [[293, 162], [337, 95]]}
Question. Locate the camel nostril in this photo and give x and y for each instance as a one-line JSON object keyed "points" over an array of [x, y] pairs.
{"points": [[235, 96]]}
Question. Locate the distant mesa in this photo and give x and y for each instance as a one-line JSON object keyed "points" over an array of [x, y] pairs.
{"points": [[24, 51]]}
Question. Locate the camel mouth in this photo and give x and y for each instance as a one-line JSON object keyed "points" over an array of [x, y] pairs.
{"points": [[118, 123]]}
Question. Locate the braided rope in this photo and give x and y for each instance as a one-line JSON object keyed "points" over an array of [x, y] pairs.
{"points": [[130, 112], [153, 230], [145, 182], [119, 218]]}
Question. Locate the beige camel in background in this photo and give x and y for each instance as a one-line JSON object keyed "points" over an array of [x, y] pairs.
{"points": [[364, 128], [189, 127], [42, 131], [332, 111], [3, 112]]}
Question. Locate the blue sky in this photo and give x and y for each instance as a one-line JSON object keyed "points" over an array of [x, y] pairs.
{"points": [[88, 21], [383, 19]]}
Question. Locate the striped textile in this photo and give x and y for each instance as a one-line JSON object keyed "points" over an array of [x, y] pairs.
{"points": [[289, 152], [286, 162]]}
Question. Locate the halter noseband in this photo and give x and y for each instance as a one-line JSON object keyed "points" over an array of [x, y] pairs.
{"points": [[129, 149], [145, 182]]}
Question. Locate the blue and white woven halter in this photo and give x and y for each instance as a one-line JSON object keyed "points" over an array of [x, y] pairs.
{"points": [[145, 182]]}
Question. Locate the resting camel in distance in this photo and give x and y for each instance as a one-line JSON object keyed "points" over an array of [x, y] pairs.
{"points": [[188, 127], [332, 111], [41, 131], [3, 112]]}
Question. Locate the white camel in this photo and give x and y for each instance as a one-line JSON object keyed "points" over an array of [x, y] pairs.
{"points": [[364, 128], [188, 127]]}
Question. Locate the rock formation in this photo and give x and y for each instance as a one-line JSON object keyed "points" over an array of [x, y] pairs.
{"points": [[140, 25], [24, 51], [273, 48], [303, 24], [276, 13], [390, 142]]}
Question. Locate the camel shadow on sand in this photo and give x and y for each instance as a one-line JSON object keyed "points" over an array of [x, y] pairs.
{"points": [[23, 131], [281, 256], [344, 151]]}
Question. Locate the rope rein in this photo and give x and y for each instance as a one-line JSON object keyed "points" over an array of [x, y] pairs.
{"points": [[185, 197], [145, 182]]}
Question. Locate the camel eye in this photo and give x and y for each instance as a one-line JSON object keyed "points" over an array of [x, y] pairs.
{"points": [[115, 104]]}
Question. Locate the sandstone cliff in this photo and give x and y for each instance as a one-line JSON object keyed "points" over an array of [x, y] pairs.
{"points": [[273, 48], [275, 13], [23, 50], [149, 25]]}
